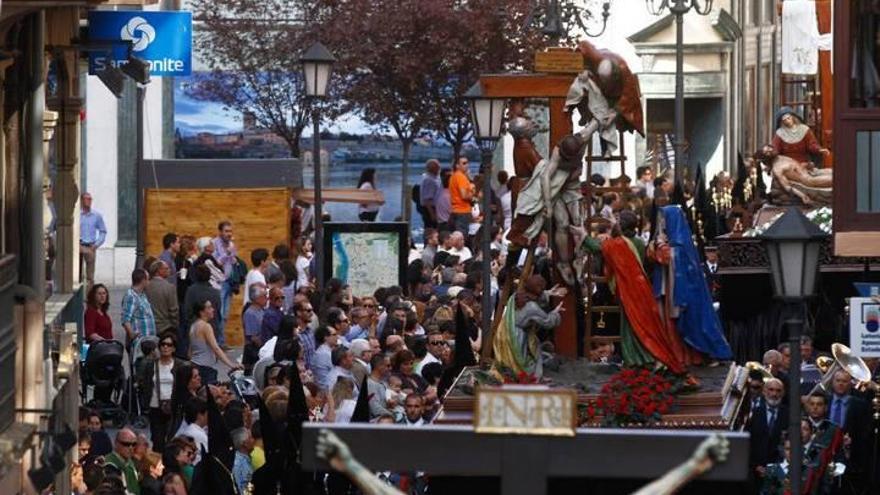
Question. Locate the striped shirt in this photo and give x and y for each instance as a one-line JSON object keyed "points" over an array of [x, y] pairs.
{"points": [[137, 312], [307, 341]]}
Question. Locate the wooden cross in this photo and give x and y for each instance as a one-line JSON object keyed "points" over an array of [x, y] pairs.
{"points": [[524, 462]]}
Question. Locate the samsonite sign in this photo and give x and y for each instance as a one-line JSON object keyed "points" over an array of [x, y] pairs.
{"points": [[162, 39]]}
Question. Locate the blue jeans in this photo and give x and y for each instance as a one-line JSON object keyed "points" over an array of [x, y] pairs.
{"points": [[460, 222], [223, 315]]}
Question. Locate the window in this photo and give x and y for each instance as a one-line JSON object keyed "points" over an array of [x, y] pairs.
{"points": [[868, 171], [864, 29]]}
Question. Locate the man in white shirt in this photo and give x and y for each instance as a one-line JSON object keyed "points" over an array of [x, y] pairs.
{"points": [[342, 362], [257, 274], [457, 247], [195, 423]]}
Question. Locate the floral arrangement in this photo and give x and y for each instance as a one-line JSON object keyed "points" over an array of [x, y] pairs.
{"points": [[823, 217], [632, 396]]}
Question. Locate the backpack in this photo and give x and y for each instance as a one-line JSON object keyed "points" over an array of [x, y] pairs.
{"points": [[417, 194]]}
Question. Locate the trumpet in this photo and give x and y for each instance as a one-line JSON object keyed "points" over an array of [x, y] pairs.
{"points": [[765, 371], [843, 360]]}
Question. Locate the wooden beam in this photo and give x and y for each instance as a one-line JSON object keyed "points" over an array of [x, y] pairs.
{"points": [[526, 85], [593, 453]]}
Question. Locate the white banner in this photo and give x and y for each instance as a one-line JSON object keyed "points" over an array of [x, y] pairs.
{"points": [[864, 327]]}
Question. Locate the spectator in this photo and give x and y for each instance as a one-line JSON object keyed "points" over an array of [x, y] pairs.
{"points": [[402, 365], [645, 181], [376, 387], [97, 323], [436, 343], [200, 291], [195, 424], [137, 314], [280, 254], [253, 325], [163, 298], [429, 194], [272, 315], [173, 484], [326, 340], [206, 257], [100, 444], [203, 347], [361, 318], [443, 203], [171, 246], [303, 260], [226, 252], [458, 248], [414, 408], [156, 386], [151, 468], [344, 395], [257, 274], [432, 243], [92, 233], [461, 193], [242, 469], [185, 261], [505, 197], [304, 312], [342, 364], [122, 459], [368, 212], [360, 350]]}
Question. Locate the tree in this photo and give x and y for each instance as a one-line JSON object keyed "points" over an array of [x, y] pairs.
{"points": [[252, 49], [390, 52], [490, 37]]}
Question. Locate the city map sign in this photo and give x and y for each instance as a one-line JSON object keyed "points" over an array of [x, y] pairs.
{"points": [[162, 39]]}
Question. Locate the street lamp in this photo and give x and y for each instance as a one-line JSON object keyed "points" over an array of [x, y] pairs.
{"points": [[557, 19], [793, 245], [679, 8], [317, 62], [487, 115]]}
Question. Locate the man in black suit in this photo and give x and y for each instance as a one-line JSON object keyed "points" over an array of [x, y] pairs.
{"points": [[854, 416], [710, 270], [769, 420]]}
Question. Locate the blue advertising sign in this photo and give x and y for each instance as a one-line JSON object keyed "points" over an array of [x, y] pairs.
{"points": [[162, 39]]}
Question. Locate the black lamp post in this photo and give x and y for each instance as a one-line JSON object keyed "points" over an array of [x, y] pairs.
{"points": [[317, 62], [679, 8], [487, 115], [558, 17], [793, 245]]}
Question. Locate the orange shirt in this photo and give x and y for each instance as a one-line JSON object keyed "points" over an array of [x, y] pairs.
{"points": [[457, 182]]}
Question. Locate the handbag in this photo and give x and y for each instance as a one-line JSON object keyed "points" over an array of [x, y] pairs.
{"points": [[164, 405]]}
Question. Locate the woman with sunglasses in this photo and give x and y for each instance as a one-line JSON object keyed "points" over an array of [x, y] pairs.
{"points": [[156, 382]]}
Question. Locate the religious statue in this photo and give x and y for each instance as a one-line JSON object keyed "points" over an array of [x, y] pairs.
{"points": [[795, 139], [552, 198], [713, 450], [680, 285], [517, 344], [525, 156], [796, 179], [646, 339], [333, 450]]}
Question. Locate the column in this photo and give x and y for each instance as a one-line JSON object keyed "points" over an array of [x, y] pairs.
{"points": [[67, 195]]}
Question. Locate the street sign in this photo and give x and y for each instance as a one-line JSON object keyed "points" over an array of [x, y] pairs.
{"points": [[526, 410], [864, 327], [162, 39], [559, 61]]}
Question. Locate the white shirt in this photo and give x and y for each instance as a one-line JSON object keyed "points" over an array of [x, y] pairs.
{"points": [[302, 271], [162, 390], [254, 276], [198, 434], [463, 254], [345, 410], [268, 349], [428, 359], [506, 209]]}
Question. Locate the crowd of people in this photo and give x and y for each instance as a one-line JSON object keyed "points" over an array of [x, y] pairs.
{"points": [[836, 428]]}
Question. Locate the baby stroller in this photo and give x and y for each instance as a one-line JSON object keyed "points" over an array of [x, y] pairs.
{"points": [[104, 370]]}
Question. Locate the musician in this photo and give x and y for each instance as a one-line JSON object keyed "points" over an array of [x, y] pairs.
{"points": [[769, 420], [825, 446]]}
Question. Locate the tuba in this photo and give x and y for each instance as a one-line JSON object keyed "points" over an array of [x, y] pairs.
{"points": [[843, 360]]}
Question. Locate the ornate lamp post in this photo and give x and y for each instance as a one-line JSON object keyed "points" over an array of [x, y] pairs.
{"points": [[793, 245], [317, 62], [679, 8], [487, 115], [558, 17]]}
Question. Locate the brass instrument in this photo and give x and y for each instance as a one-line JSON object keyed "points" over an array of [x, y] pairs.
{"points": [[843, 360], [766, 374]]}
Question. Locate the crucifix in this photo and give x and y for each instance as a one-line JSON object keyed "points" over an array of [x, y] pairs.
{"points": [[525, 463]]}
